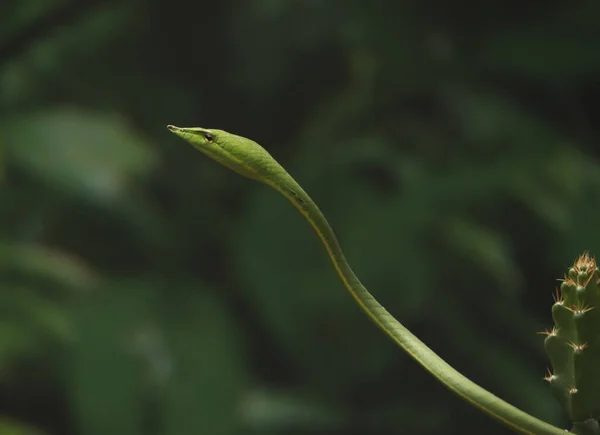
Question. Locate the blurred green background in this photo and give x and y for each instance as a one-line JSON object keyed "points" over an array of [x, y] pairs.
{"points": [[147, 290]]}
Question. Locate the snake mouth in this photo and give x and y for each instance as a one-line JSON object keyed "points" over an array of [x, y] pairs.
{"points": [[189, 134], [214, 148]]}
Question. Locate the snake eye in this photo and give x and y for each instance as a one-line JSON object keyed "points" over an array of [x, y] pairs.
{"points": [[209, 137]]}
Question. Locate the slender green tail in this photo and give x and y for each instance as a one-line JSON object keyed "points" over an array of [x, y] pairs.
{"points": [[251, 160], [444, 372]]}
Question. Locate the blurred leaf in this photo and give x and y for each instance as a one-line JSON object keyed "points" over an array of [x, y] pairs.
{"points": [[36, 312], [47, 263], [550, 50], [204, 390], [34, 316], [16, 341], [93, 155], [9, 426], [485, 248], [268, 411], [23, 13], [494, 121], [106, 376], [265, 64]]}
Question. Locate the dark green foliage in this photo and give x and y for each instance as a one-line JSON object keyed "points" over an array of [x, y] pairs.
{"points": [[146, 290]]}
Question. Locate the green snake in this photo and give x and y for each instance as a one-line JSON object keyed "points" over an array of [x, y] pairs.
{"points": [[249, 159]]}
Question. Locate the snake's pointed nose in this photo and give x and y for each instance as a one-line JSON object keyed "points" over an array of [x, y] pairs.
{"points": [[178, 131]]}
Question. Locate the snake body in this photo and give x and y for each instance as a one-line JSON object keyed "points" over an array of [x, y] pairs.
{"points": [[251, 160]]}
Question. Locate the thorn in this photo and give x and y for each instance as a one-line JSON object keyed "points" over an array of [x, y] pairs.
{"points": [[591, 275], [572, 390], [558, 299], [569, 281], [552, 332], [550, 377], [579, 309], [585, 263], [577, 347]]}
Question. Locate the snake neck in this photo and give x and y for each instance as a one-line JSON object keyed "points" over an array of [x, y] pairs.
{"points": [[289, 188]]}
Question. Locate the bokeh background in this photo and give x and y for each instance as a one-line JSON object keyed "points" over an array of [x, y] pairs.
{"points": [[146, 290]]}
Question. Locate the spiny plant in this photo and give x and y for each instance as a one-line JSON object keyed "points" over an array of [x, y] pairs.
{"points": [[573, 344]]}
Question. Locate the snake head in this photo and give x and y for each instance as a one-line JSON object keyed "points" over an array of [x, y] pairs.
{"points": [[232, 151], [203, 139]]}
